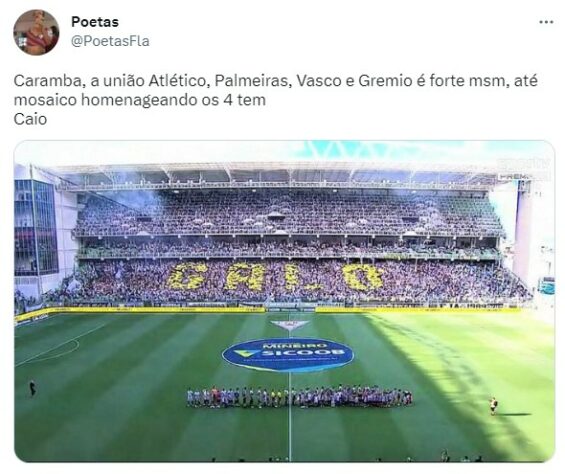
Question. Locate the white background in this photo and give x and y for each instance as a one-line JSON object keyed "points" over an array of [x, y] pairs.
{"points": [[493, 37]]}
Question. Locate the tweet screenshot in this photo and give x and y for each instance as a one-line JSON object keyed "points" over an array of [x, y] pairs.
{"points": [[283, 234]]}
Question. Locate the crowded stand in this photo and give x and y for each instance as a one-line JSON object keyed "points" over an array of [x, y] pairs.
{"points": [[276, 211], [329, 280], [23, 302], [178, 247]]}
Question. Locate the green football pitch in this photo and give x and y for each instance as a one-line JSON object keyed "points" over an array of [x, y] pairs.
{"points": [[111, 387]]}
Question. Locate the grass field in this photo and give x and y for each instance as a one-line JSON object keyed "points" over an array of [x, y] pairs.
{"points": [[111, 387]]}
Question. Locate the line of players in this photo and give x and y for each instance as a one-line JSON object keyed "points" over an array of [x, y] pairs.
{"points": [[325, 396]]}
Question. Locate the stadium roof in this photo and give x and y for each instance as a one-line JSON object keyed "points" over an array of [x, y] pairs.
{"points": [[276, 161]]}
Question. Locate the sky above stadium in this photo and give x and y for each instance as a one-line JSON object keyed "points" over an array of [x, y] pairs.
{"points": [[473, 153]]}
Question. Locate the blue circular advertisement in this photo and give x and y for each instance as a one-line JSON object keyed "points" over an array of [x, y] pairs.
{"points": [[289, 354]]}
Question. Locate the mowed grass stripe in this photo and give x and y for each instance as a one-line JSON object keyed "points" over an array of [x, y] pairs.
{"points": [[121, 395], [454, 373], [510, 331], [232, 434], [319, 434], [68, 430], [518, 357], [443, 386], [407, 429], [523, 384], [54, 376], [421, 430], [190, 370], [114, 410], [266, 430], [159, 406], [363, 426]]}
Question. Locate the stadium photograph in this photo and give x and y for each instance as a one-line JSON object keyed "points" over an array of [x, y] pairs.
{"points": [[284, 301]]}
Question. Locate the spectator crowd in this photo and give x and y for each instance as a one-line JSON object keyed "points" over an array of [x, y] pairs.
{"points": [[328, 280], [168, 247], [275, 211]]}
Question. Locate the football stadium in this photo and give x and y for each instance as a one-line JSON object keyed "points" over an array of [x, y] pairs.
{"points": [[284, 301]]}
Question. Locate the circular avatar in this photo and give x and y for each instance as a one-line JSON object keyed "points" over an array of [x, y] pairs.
{"points": [[36, 32]]}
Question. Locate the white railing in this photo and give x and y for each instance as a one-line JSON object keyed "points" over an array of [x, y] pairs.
{"points": [[148, 186], [289, 255]]}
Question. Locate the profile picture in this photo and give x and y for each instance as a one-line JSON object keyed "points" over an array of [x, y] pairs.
{"points": [[36, 32]]}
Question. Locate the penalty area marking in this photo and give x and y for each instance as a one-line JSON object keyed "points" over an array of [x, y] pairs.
{"points": [[42, 359], [60, 345]]}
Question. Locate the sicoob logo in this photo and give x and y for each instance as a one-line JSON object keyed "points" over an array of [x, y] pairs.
{"points": [[289, 355]]}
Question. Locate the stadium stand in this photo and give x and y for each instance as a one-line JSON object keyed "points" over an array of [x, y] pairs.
{"points": [[299, 212], [171, 281], [432, 240]]}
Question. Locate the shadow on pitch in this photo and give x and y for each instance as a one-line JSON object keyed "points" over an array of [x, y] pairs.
{"points": [[513, 414]]}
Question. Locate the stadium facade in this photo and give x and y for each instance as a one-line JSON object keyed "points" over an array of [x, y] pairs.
{"points": [[337, 232]]}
